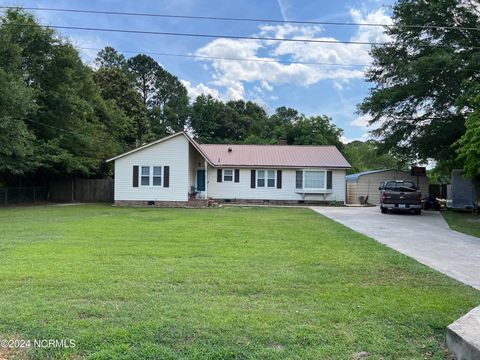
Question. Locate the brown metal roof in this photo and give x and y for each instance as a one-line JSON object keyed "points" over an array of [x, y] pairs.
{"points": [[293, 156]]}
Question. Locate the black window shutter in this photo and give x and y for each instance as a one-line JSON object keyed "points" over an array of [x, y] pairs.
{"points": [[279, 179], [219, 175], [166, 176], [237, 175], [135, 176], [299, 180], [329, 179], [252, 179]]}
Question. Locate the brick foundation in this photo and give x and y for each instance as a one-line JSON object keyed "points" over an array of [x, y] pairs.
{"points": [[203, 203], [197, 203], [275, 202]]}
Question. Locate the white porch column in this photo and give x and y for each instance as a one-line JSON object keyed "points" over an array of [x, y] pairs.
{"points": [[206, 179]]}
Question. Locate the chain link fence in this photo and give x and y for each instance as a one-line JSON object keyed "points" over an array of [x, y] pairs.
{"points": [[19, 195]]}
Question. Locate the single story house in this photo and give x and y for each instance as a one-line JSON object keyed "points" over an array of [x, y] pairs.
{"points": [[167, 172], [366, 184]]}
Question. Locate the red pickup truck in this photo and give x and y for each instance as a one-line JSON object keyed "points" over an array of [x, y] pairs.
{"points": [[400, 195]]}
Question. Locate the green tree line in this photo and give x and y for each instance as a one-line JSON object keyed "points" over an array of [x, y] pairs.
{"points": [[60, 117]]}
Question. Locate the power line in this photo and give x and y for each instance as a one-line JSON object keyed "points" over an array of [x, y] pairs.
{"points": [[287, 62], [228, 59], [218, 18], [214, 36]]}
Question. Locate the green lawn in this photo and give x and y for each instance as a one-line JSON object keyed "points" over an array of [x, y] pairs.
{"points": [[464, 222], [229, 283]]}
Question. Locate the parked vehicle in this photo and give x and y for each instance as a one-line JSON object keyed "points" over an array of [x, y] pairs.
{"points": [[400, 195]]}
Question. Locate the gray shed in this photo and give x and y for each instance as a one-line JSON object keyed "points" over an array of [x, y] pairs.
{"points": [[366, 184]]}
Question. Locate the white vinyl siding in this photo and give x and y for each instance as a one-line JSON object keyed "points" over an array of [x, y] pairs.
{"points": [[242, 189], [173, 153]]}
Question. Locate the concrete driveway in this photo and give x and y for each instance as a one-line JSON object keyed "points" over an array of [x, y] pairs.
{"points": [[426, 238]]}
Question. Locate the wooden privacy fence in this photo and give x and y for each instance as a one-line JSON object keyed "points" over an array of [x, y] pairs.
{"points": [[81, 190]]}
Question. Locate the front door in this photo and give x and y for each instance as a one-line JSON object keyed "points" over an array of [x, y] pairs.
{"points": [[200, 180]]}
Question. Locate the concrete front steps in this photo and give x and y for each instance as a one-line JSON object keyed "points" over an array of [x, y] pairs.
{"points": [[463, 336]]}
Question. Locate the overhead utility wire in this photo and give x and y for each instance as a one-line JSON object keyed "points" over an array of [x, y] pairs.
{"points": [[214, 36], [168, 33], [225, 58], [218, 18]]}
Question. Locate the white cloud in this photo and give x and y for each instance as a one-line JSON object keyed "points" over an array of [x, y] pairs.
{"points": [[361, 121], [265, 85], [364, 137], [346, 140], [371, 33], [285, 30], [199, 89], [268, 72]]}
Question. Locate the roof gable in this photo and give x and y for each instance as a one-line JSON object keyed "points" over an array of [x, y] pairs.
{"points": [[159, 141]]}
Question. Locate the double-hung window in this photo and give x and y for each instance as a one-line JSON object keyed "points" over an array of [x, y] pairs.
{"points": [[145, 176], [261, 178], [151, 176], [157, 176], [228, 175], [266, 178], [271, 178]]}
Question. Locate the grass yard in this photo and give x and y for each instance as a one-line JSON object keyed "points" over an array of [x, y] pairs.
{"points": [[229, 283], [464, 222]]}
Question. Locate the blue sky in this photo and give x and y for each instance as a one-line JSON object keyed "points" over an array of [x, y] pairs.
{"points": [[312, 89]]}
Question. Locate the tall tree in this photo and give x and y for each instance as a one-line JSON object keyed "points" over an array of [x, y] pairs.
{"points": [[164, 96], [419, 76], [16, 139], [65, 129], [109, 58], [469, 144], [116, 84], [203, 118], [366, 155], [232, 122], [144, 71], [171, 103], [314, 130]]}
